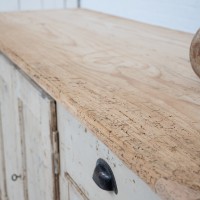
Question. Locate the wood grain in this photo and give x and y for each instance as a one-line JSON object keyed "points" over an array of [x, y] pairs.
{"points": [[130, 83]]}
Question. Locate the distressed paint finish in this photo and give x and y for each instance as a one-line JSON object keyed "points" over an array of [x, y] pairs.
{"points": [[79, 151], [71, 190], [131, 84], [11, 141], [27, 132], [36, 127], [3, 185]]}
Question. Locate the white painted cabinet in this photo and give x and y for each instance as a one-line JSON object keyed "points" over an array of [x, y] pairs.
{"points": [[27, 129], [79, 152], [47, 154], [10, 137]]}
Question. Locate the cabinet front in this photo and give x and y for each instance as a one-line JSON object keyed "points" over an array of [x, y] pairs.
{"points": [[27, 130]]}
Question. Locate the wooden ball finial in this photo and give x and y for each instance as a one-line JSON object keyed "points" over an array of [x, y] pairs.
{"points": [[195, 53]]}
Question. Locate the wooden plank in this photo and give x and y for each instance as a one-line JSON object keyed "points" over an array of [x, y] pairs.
{"points": [[130, 83]]}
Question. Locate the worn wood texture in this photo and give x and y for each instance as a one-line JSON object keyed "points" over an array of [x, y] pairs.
{"points": [[130, 83], [195, 53]]}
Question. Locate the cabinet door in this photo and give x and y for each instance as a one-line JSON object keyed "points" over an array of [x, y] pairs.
{"points": [[10, 152], [37, 124], [29, 133]]}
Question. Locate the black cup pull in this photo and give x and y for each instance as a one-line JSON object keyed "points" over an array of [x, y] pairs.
{"points": [[104, 177]]}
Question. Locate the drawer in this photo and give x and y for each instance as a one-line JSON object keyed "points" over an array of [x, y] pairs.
{"points": [[79, 152]]}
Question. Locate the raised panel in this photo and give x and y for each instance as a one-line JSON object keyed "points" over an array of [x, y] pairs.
{"points": [[3, 186], [10, 137], [27, 125], [70, 189], [36, 116]]}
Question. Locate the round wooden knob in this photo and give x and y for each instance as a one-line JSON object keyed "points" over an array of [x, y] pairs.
{"points": [[195, 53]]}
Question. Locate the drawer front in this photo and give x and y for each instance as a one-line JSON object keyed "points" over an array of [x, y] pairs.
{"points": [[79, 152]]}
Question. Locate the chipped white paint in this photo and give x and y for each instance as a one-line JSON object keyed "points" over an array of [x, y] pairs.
{"points": [[79, 151], [27, 126], [11, 138], [35, 128]]}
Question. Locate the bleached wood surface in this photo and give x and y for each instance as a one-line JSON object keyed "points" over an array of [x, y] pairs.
{"points": [[130, 83]]}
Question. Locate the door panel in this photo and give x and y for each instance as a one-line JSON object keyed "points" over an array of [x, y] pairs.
{"points": [[10, 138], [36, 116], [3, 186], [28, 124]]}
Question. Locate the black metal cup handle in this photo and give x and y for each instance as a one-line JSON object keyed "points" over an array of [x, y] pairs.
{"points": [[104, 177], [14, 177]]}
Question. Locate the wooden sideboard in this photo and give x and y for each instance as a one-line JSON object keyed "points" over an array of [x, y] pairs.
{"points": [[96, 107]]}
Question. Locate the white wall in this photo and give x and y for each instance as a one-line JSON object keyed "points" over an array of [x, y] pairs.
{"points": [[176, 14], [15, 5]]}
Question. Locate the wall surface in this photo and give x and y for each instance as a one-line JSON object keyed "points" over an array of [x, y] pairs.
{"points": [[176, 14], [16, 5]]}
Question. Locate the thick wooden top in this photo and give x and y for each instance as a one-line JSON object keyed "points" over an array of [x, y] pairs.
{"points": [[130, 83]]}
